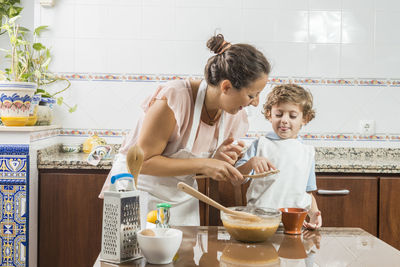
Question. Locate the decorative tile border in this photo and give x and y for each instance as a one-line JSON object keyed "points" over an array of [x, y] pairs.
{"points": [[132, 77], [119, 133]]}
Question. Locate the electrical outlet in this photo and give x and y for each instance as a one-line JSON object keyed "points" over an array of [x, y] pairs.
{"points": [[367, 127]]}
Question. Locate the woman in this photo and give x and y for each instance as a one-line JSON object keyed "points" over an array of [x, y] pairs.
{"points": [[189, 127]]}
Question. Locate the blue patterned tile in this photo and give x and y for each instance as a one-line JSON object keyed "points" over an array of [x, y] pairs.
{"points": [[20, 249], [14, 149], [14, 175]]}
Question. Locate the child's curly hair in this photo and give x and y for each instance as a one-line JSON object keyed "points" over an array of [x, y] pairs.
{"points": [[290, 93]]}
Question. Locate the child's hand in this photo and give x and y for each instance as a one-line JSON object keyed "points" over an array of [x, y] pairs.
{"points": [[261, 164], [315, 220]]}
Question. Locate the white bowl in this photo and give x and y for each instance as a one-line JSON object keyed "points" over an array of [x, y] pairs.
{"points": [[160, 249]]}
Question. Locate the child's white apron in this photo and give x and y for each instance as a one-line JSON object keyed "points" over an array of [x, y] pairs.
{"points": [[288, 187], [185, 209]]}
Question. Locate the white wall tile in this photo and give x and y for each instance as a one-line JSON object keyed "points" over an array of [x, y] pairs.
{"points": [[158, 23], [387, 61], [324, 60], [217, 20], [292, 26], [263, 4], [93, 25], [358, 26], [387, 23], [259, 25], [159, 3], [90, 55], [60, 20], [357, 60], [293, 4], [358, 4], [123, 56], [123, 22], [209, 3], [325, 4], [325, 27], [62, 53], [159, 57], [388, 5], [191, 57], [287, 59]]}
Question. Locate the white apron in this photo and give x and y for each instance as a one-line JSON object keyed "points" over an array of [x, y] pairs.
{"points": [[288, 187], [184, 208]]}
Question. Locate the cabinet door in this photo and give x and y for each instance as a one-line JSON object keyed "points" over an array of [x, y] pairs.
{"points": [[389, 210], [70, 218], [357, 208]]}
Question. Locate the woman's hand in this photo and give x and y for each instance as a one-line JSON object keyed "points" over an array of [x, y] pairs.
{"points": [[315, 220], [261, 164], [221, 171], [228, 151]]}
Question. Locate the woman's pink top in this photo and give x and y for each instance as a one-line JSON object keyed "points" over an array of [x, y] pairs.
{"points": [[179, 98]]}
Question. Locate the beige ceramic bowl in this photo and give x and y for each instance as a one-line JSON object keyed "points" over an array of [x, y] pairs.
{"points": [[252, 231]]}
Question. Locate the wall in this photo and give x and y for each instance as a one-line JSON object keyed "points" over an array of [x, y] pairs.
{"points": [[346, 52]]}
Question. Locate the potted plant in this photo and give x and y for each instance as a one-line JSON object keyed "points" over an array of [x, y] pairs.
{"points": [[9, 9], [29, 68]]}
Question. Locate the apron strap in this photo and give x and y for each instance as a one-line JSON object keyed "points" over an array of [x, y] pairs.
{"points": [[198, 106]]}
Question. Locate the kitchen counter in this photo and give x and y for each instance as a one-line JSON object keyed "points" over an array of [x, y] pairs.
{"points": [[327, 160], [211, 246]]}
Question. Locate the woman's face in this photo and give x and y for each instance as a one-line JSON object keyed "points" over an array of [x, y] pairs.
{"points": [[234, 100]]}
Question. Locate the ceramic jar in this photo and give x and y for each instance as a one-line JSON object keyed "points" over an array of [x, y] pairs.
{"points": [[45, 111], [15, 102]]}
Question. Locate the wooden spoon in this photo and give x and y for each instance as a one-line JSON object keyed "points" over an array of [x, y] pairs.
{"points": [[194, 193], [134, 161], [253, 176]]}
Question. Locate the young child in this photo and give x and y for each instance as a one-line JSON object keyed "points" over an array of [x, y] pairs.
{"points": [[288, 108]]}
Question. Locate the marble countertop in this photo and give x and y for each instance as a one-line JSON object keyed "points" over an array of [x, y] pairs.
{"points": [[327, 160]]}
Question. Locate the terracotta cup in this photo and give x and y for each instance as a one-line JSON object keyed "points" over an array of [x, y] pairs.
{"points": [[292, 219], [292, 247]]}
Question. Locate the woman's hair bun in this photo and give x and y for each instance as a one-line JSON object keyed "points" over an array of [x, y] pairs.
{"points": [[216, 43]]}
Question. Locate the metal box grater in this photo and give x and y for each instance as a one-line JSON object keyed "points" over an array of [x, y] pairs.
{"points": [[121, 222]]}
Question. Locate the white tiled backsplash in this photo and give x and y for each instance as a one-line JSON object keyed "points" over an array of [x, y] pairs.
{"points": [[302, 38]]}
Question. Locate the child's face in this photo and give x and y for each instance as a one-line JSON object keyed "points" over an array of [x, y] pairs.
{"points": [[287, 119]]}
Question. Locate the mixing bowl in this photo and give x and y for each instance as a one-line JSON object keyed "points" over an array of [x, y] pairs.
{"points": [[252, 231], [249, 255]]}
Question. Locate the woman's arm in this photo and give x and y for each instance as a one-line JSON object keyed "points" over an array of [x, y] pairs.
{"points": [[157, 127]]}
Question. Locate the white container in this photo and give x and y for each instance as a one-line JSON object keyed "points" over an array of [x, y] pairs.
{"points": [[121, 222], [161, 248]]}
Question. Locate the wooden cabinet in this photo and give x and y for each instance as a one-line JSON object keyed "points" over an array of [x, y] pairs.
{"points": [[70, 217], [357, 208], [389, 210]]}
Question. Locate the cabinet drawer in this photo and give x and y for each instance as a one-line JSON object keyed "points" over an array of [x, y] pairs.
{"points": [[349, 202]]}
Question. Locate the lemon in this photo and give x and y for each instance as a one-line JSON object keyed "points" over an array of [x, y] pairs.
{"points": [[152, 216]]}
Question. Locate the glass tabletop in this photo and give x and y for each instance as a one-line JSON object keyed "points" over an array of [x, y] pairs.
{"points": [[212, 246]]}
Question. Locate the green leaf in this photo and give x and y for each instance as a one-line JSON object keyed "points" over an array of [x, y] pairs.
{"points": [[39, 30], [73, 109], [40, 91], [38, 46], [46, 63], [12, 20], [23, 30], [60, 100]]}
